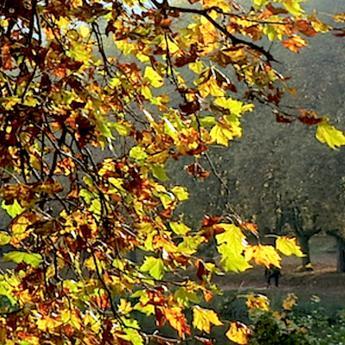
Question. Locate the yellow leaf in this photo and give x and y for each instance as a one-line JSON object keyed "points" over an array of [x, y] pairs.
{"points": [[290, 301], [232, 236], [263, 255], [124, 307], [293, 6], [340, 17], [222, 4], [47, 324], [328, 134], [257, 302], [204, 318], [288, 246], [181, 193], [153, 77], [179, 228], [239, 333], [221, 134]]}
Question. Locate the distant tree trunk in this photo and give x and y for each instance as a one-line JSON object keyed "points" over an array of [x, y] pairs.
{"points": [[341, 255], [303, 241], [340, 249]]}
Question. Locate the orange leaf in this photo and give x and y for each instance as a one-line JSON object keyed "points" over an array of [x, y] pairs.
{"points": [[294, 43]]}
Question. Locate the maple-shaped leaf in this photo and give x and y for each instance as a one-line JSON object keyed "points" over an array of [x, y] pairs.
{"points": [[288, 246], [263, 255], [204, 318], [154, 266], [239, 333], [231, 245], [232, 236], [177, 320], [328, 134]]}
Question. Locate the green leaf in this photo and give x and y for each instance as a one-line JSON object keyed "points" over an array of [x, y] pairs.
{"points": [[186, 297], [121, 128], [179, 228], [153, 77], [86, 195], [181, 193], [293, 6], [96, 207], [134, 336], [5, 238], [231, 244], [13, 209], [154, 266], [159, 172], [137, 153], [31, 259], [207, 121]]}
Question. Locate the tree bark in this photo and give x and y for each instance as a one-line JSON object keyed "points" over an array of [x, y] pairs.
{"points": [[340, 255], [304, 244], [340, 249]]}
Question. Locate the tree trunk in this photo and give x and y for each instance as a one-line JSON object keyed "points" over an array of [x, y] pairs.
{"points": [[304, 244], [341, 255]]}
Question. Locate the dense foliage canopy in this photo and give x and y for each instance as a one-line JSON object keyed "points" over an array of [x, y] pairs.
{"points": [[85, 136]]}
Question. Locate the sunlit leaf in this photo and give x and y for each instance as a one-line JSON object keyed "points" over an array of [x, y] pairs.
{"points": [[154, 266], [31, 259], [153, 77], [204, 318], [288, 246], [12, 209], [329, 135], [239, 333]]}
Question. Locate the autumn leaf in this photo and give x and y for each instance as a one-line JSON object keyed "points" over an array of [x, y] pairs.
{"points": [[153, 77], [339, 17], [177, 320], [179, 228], [5, 238], [290, 301], [329, 135], [263, 255], [31, 259], [204, 318], [294, 43], [288, 246], [231, 246], [293, 6], [13, 209], [257, 301], [239, 333], [154, 266]]}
